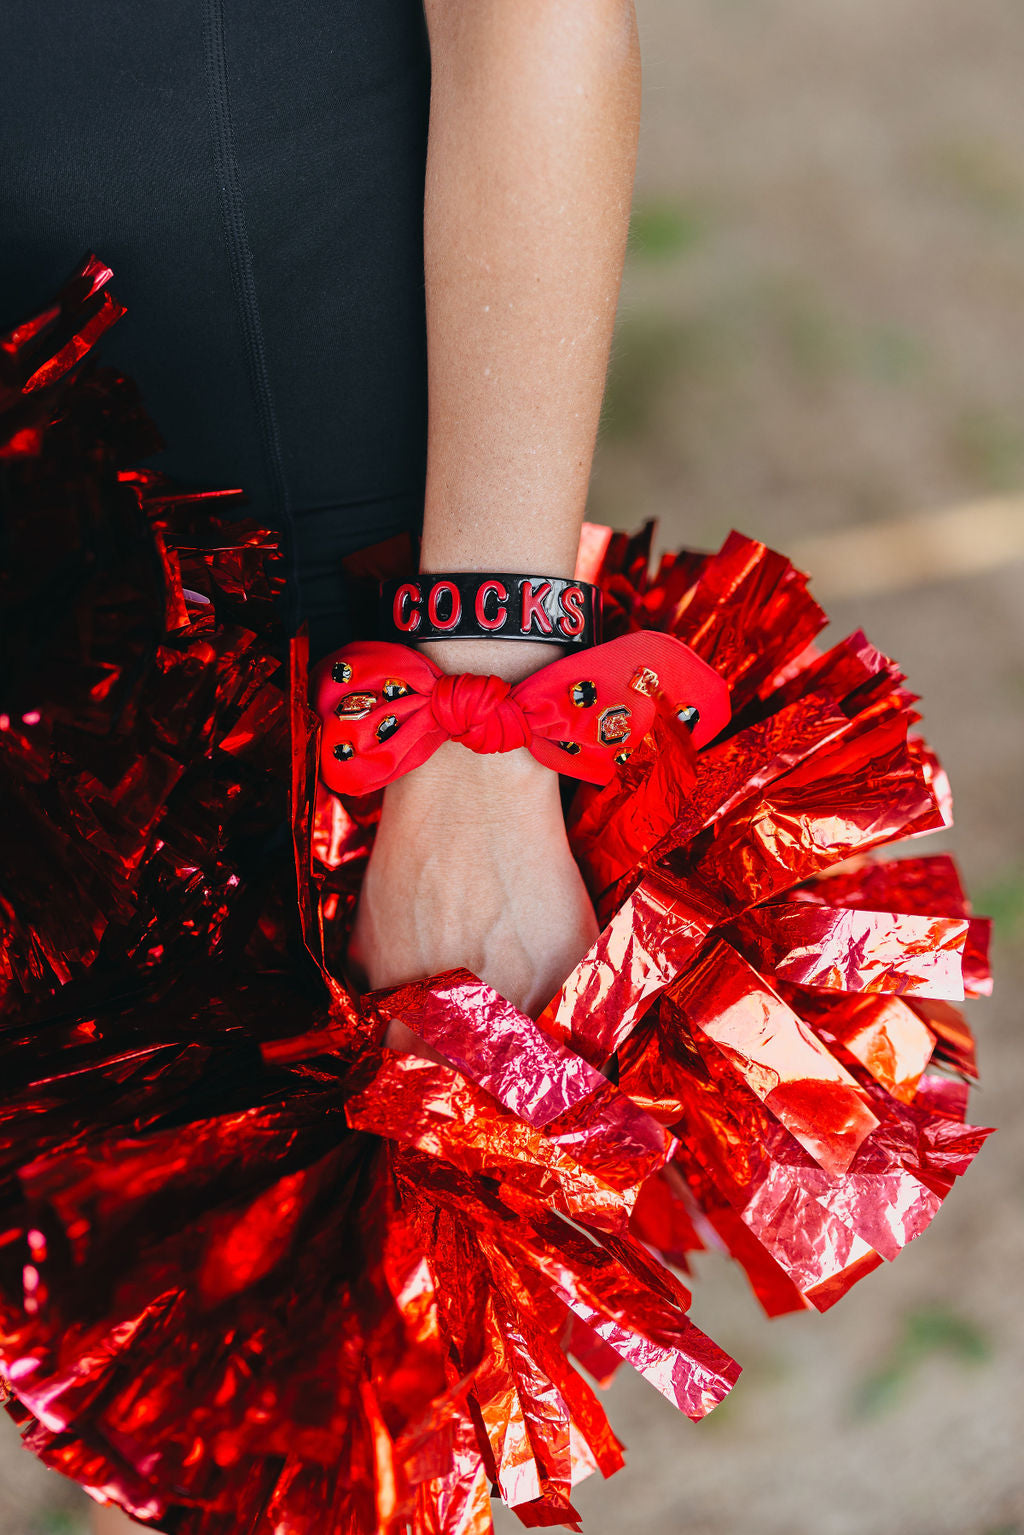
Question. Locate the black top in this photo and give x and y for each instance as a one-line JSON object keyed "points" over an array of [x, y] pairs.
{"points": [[253, 173]]}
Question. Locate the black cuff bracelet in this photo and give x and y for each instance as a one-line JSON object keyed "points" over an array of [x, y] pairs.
{"points": [[472, 605]]}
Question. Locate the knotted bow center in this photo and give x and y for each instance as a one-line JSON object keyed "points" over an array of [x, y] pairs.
{"points": [[480, 713]]}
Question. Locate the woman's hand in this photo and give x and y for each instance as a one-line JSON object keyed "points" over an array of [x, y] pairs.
{"points": [[471, 866]]}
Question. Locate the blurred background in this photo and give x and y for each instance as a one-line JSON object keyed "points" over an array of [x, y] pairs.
{"points": [[821, 343]]}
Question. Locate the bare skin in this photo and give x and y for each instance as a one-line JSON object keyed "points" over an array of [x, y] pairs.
{"points": [[534, 119], [533, 126]]}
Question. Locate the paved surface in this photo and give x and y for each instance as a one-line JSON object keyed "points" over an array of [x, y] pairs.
{"points": [[822, 331]]}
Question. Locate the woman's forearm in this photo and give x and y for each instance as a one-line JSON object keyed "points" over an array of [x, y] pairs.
{"points": [[533, 127]]}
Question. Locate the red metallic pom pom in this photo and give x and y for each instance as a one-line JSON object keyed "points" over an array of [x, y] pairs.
{"points": [[258, 1272]]}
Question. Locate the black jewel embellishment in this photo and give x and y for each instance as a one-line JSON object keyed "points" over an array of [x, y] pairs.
{"points": [[355, 706], [690, 716], [572, 747], [344, 751], [387, 727], [583, 694], [341, 671], [393, 689], [613, 727], [623, 757]]}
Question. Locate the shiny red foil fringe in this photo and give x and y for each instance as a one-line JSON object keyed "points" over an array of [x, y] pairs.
{"points": [[259, 1273]]}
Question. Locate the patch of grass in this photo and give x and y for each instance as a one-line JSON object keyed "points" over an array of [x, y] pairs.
{"points": [[981, 173], [892, 356], [60, 1521], [926, 1333], [646, 354], [816, 346], [819, 344], [989, 447], [1003, 901], [659, 230], [788, 312], [783, 317]]}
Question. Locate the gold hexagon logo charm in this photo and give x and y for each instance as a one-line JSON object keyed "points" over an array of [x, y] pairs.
{"points": [[613, 727]]}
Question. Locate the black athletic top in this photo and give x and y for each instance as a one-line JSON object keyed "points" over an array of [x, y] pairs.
{"points": [[253, 173]]}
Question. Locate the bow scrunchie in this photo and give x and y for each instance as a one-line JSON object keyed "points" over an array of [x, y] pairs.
{"points": [[386, 708]]}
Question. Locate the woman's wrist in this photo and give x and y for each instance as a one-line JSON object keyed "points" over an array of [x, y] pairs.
{"points": [[464, 793], [512, 660]]}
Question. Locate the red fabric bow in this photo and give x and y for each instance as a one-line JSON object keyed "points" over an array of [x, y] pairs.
{"points": [[386, 708]]}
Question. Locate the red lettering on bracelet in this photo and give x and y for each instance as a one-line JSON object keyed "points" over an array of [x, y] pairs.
{"points": [[480, 604], [573, 617], [456, 605], [533, 607], [405, 615]]}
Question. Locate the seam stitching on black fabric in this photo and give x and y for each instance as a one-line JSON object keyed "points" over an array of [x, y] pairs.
{"points": [[240, 255]]}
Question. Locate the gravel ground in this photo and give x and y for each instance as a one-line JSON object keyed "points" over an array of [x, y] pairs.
{"points": [[822, 329]]}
